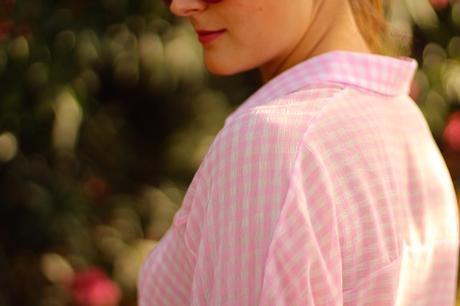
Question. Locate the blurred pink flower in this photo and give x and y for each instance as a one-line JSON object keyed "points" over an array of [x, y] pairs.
{"points": [[96, 188], [5, 29], [451, 133], [92, 287], [439, 4]]}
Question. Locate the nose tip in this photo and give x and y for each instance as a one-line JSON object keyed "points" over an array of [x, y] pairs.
{"points": [[186, 8]]}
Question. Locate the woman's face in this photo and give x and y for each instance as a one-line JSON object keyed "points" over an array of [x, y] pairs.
{"points": [[250, 33]]}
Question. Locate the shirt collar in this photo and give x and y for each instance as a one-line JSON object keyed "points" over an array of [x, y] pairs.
{"points": [[380, 74]]}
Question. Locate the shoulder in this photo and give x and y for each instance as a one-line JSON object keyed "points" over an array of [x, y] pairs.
{"points": [[283, 119], [360, 117]]}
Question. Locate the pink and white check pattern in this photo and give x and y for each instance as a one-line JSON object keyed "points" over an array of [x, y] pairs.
{"points": [[324, 188]]}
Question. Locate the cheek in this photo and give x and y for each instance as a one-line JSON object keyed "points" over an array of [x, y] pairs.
{"points": [[253, 31], [268, 24], [258, 33]]}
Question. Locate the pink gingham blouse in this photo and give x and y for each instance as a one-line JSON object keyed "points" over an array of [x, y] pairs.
{"points": [[325, 187]]}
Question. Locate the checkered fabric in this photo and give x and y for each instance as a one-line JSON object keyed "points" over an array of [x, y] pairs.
{"points": [[325, 187]]}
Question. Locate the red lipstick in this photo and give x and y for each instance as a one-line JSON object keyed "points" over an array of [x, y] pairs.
{"points": [[207, 36]]}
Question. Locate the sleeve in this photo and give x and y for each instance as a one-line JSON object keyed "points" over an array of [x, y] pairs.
{"points": [[268, 235], [303, 265]]}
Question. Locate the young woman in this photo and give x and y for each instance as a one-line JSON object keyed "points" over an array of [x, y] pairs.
{"points": [[325, 187]]}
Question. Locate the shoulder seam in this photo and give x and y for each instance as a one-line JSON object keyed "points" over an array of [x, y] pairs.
{"points": [[254, 109]]}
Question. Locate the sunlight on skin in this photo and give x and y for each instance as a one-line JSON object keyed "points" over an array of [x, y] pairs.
{"points": [[251, 27]]}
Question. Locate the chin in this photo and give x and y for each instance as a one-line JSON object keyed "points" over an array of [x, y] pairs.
{"points": [[223, 70], [224, 67]]}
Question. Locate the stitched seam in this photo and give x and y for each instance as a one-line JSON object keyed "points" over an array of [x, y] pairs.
{"points": [[259, 108]]}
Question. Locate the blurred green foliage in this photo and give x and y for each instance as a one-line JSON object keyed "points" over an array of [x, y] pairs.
{"points": [[106, 111]]}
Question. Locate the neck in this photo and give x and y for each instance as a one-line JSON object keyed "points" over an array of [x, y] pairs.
{"points": [[331, 28]]}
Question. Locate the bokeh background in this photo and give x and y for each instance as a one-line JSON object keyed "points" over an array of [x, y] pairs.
{"points": [[106, 111]]}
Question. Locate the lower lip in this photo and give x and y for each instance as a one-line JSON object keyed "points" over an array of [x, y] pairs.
{"points": [[207, 38]]}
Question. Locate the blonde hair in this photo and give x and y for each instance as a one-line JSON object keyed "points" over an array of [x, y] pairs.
{"points": [[370, 16]]}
